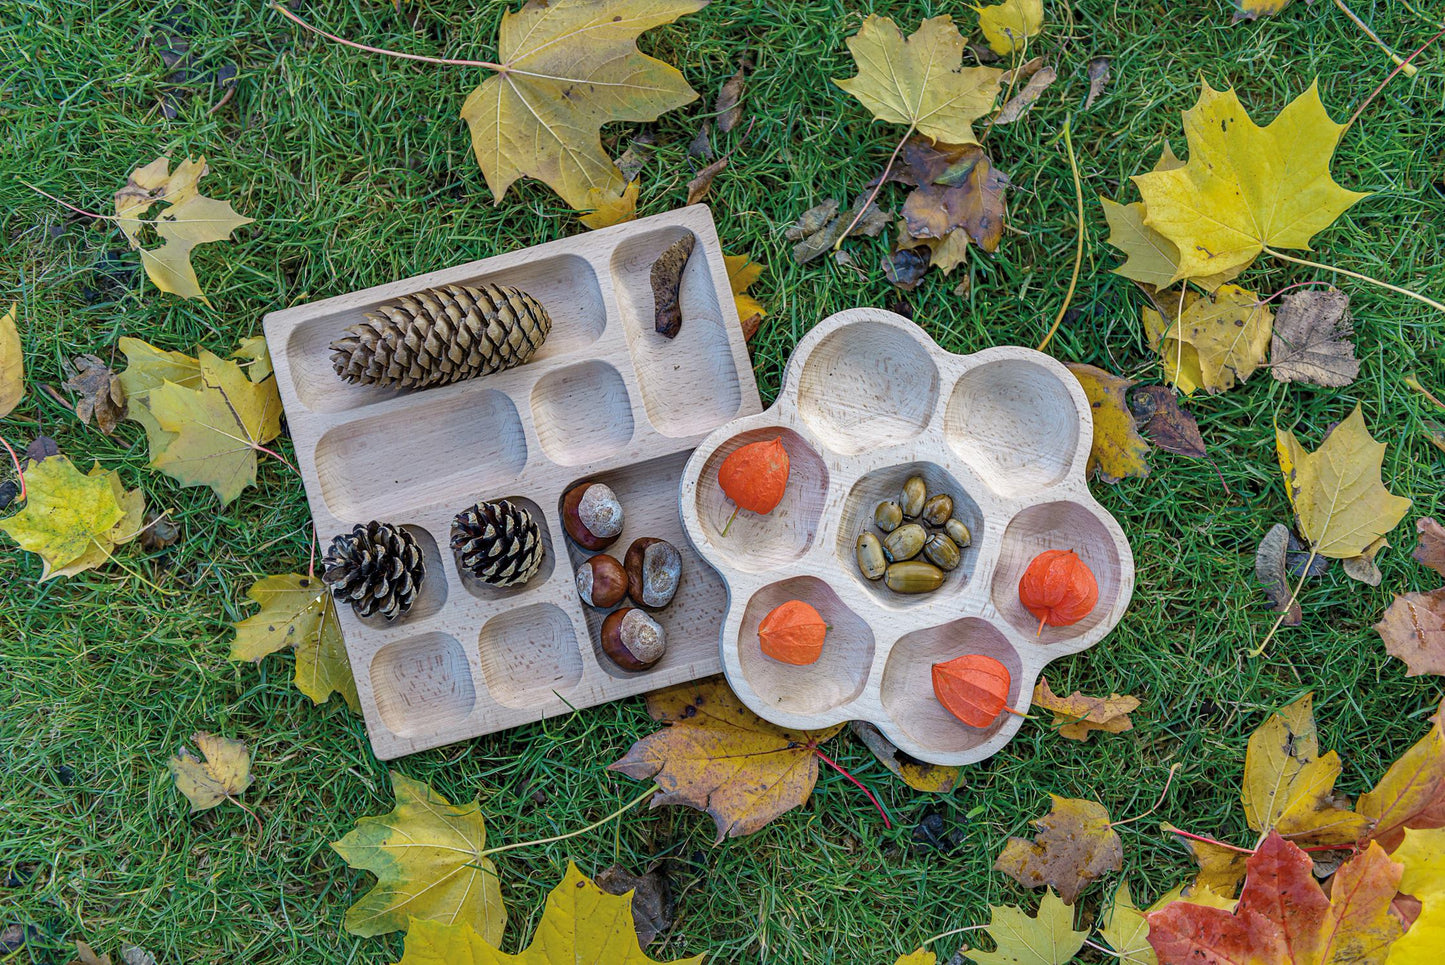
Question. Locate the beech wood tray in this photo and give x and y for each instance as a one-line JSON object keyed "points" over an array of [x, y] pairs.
{"points": [[605, 398], [868, 400]]}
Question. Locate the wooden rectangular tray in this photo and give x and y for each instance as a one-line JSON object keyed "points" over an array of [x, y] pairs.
{"points": [[605, 398]]}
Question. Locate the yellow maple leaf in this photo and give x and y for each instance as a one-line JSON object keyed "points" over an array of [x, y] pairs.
{"points": [[919, 775], [298, 612], [72, 520], [221, 773], [1289, 786], [1075, 845], [1423, 855], [190, 219], [1005, 25], [1254, 9], [742, 273], [1151, 258], [427, 858], [1339, 500], [918, 957], [12, 364], [581, 922], [567, 68], [1117, 450], [1216, 339], [1045, 939], [217, 427], [606, 208], [920, 82], [717, 756], [132, 503], [1246, 188], [148, 369]]}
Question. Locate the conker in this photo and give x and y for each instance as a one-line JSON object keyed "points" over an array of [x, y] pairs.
{"points": [[632, 639], [592, 515], [654, 569], [601, 582]]}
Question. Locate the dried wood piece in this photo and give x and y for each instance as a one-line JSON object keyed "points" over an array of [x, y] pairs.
{"points": [[667, 283]]}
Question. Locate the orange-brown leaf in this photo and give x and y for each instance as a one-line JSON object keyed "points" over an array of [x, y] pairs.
{"points": [[1283, 916], [719, 757], [1413, 629], [1430, 551], [1077, 716], [1074, 846]]}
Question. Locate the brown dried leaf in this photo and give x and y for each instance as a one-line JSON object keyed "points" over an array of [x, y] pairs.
{"points": [[100, 393], [1098, 80], [970, 194], [729, 105], [1019, 104], [666, 283], [1169, 426], [813, 243], [652, 902], [1269, 570], [701, 184], [905, 267], [1081, 715], [1312, 339], [701, 145], [1075, 845], [85, 955], [1413, 629], [1023, 73], [638, 152], [158, 531], [1362, 568], [1430, 551], [812, 220]]}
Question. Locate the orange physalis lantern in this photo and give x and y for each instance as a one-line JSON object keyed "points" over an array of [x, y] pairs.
{"points": [[755, 476], [1058, 588], [793, 633], [973, 688]]}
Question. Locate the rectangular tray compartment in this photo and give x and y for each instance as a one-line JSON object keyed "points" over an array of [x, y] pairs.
{"points": [[604, 398]]}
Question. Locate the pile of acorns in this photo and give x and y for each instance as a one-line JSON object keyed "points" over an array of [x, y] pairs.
{"points": [[915, 524], [649, 574]]}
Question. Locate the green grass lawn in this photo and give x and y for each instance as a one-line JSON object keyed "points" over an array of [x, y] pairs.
{"points": [[358, 171]]}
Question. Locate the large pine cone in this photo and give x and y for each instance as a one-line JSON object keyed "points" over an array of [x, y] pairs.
{"points": [[442, 335], [377, 568], [498, 542]]}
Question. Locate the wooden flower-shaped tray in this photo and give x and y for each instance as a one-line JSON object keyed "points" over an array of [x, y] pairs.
{"points": [[868, 400], [605, 399]]}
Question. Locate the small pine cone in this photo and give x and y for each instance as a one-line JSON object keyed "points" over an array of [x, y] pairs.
{"points": [[498, 542], [377, 568], [442, 335]]}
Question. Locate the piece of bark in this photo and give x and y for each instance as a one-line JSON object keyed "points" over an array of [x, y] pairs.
{"points": [[667, 284]]}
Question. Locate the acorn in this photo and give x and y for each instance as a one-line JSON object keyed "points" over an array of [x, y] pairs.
{"points": [[888, 516], [938, 509], [871, 561], [956, 531], [601, 582], [942, 552], [654, 570], [904, 543], [632, 639], [913, 576], [592, 515], [915, 491]]}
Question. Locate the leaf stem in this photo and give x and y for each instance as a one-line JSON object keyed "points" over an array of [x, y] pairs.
{"points": [[1079, 251], [1354, 274], [857, 783], [950, 933], [19, 473], [572, 834], [882, 180], [1214, 841], [1162, 794], [1389, 77], [447, 61], [1299, 585], [1408, 67]]}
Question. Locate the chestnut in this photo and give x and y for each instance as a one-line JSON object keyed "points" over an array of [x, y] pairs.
{"points": [[592, 515], [632, 639], [601, 582], [654, 569]]}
